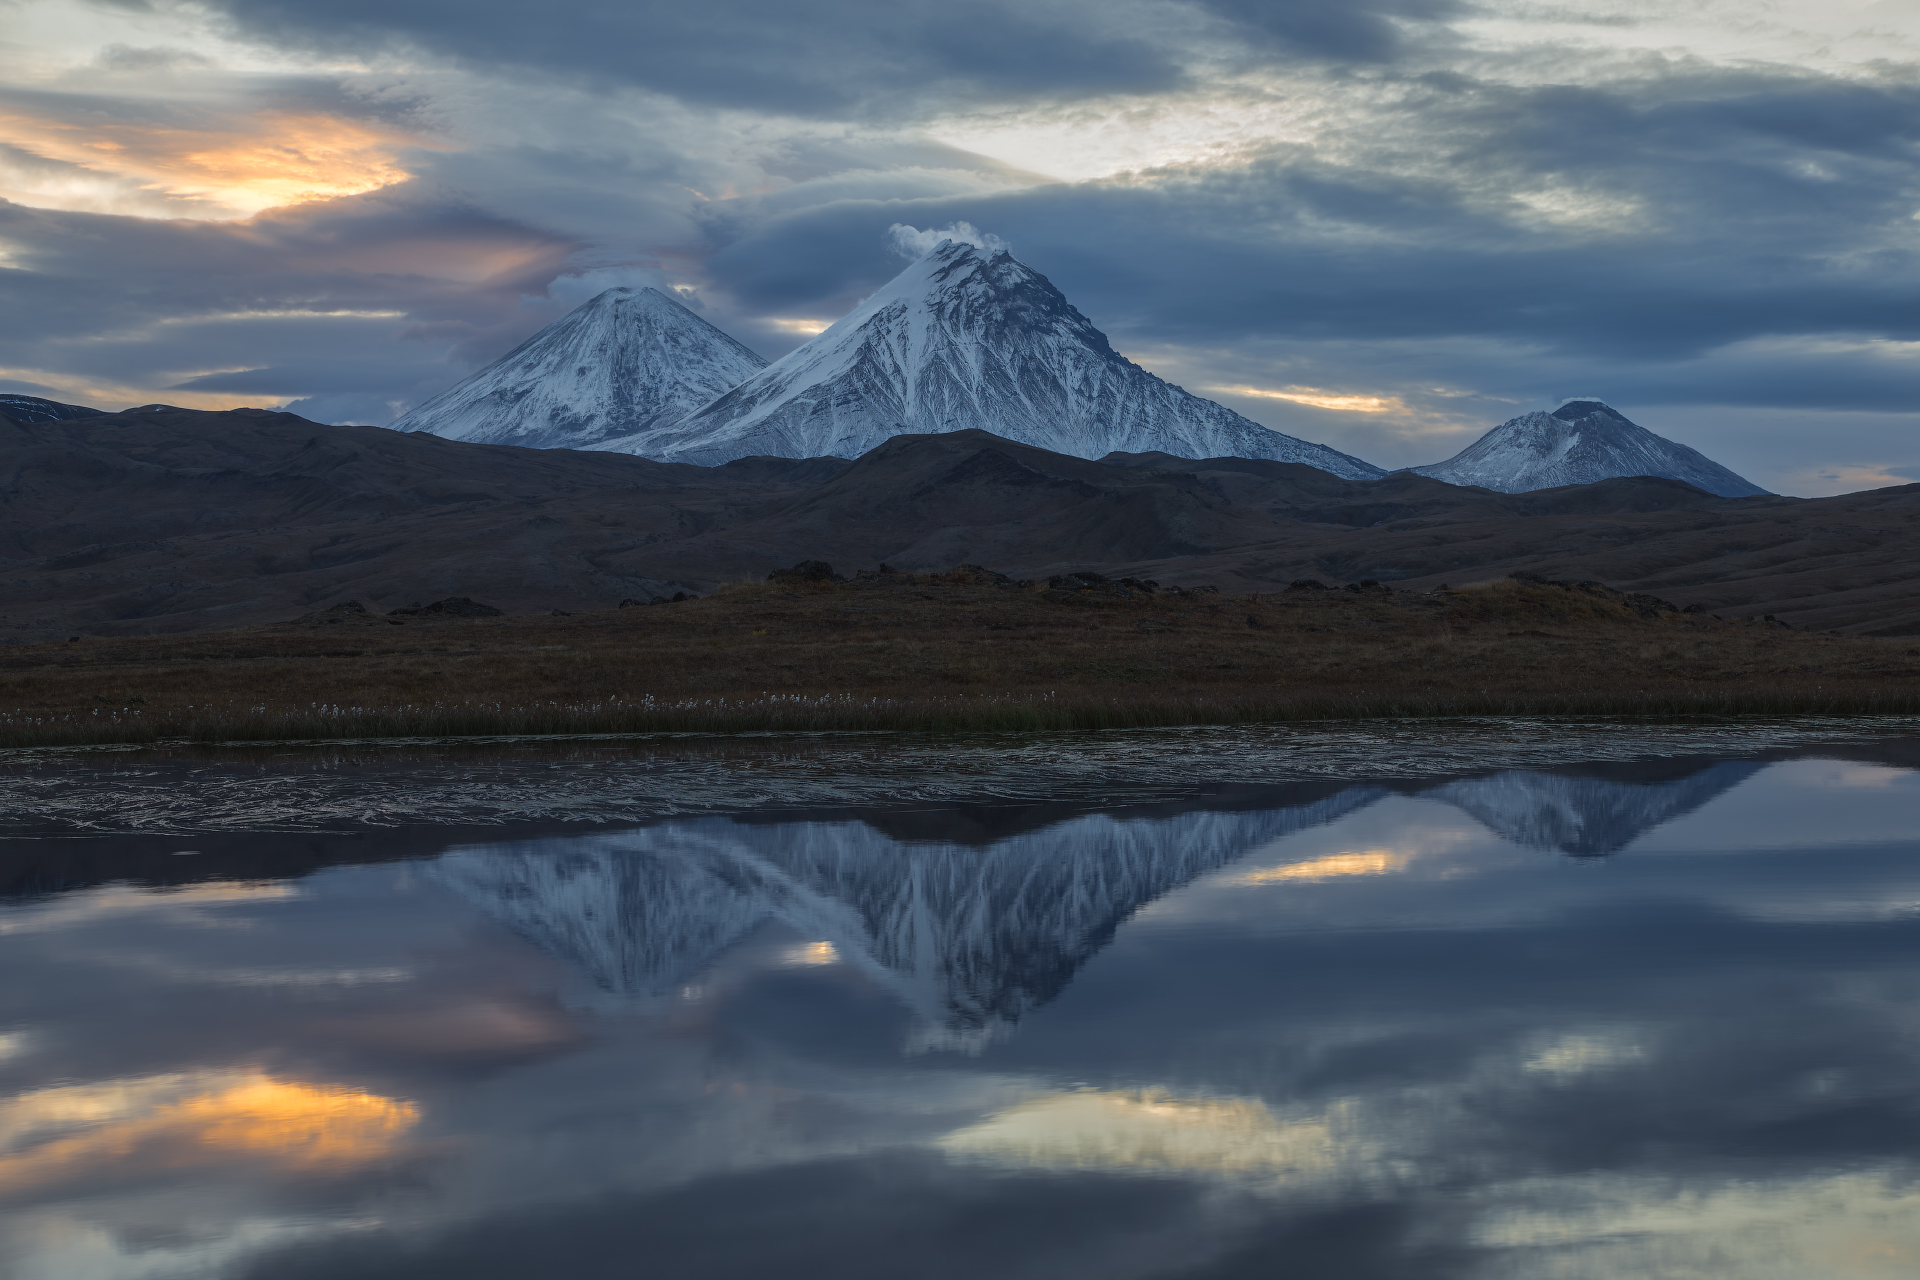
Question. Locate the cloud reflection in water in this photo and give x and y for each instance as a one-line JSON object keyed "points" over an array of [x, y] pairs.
{"points": [[134, 1128], [1197, 1038]]}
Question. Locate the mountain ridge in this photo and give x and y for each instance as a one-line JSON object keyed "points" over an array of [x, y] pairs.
{"points": [[164, 520]]}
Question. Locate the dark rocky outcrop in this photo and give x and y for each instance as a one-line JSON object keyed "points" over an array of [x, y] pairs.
{"points": [[806, 571], [451, 607]]}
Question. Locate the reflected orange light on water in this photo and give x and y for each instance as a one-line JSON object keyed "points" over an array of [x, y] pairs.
{"points": [[1363, 862], [299, 1125], [141, 1126], [811, 953]]}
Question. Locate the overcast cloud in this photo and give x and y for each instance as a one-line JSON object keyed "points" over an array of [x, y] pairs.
{"points": [[1385, 225]]}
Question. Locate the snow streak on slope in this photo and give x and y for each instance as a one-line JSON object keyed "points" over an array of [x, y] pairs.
{"points": [[1580, 442], [603, 376], [34, 409], [970, 338]]}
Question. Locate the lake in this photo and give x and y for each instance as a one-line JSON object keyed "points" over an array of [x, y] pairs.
{"points": [[1526, 999]]}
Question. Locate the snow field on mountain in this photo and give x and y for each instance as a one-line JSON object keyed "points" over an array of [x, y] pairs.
{"points": [[1581, 442]]}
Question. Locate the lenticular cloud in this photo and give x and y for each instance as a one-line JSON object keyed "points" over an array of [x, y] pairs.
{"points": [[911, 242]]}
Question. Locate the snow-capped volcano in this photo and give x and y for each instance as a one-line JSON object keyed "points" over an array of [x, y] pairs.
{"points": [[967, 337], [1580, 442], [619, 366]]}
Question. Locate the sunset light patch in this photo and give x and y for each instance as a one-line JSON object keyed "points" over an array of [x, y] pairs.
{"points": [[1319, 399], [233, 168], [1366, 862], [175, 1122], [811, 954]]}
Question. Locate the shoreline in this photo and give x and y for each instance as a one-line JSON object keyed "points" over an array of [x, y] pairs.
{"points": [[907, 716]]}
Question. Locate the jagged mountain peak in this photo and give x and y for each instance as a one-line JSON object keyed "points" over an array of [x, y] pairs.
{"points": [[1581, 442], [963, 338], [623, 364]]}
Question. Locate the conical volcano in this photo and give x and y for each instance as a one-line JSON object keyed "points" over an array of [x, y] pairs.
{"points": [[968, 338], [615, 368], [1580, 442]]}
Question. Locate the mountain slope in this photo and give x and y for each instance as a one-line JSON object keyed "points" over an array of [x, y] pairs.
{"points": [[163, 520], [1579, 443], [33, 409], [612, 370], [970, 496], [964, 339]]}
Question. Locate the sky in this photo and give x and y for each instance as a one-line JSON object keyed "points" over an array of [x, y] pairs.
{"points": [[1386, 225]]}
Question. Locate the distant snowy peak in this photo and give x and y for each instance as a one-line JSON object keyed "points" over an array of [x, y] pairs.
{"points": [[604, 376], [962, 338], [1579, 443]]}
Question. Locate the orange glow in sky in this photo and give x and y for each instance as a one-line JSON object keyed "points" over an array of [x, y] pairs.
{"points": [[232, 167], [1320, 399]]}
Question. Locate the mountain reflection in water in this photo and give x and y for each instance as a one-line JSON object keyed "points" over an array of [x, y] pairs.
{"points": [[1598, 1022], [971, 935]]}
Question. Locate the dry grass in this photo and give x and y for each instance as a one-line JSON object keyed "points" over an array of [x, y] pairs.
{"points": [[942, 652]]}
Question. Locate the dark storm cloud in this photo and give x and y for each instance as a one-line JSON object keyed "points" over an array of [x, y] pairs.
{"points": [[98, 102], [816, 59], [320, 293], [912, 1214], [843, 57], [1355, 32], [1784, 212], [305, 379]]}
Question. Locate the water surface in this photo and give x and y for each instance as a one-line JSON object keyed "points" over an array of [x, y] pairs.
{"points": [[1509, 999]]}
